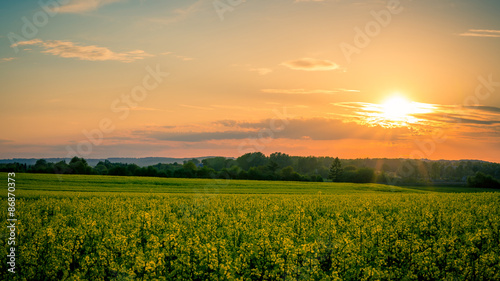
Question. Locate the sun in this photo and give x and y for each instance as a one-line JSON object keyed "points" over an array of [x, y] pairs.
{"points": [[397, 108], [397, 111]]}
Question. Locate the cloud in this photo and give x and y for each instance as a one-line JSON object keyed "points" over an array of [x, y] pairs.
{"points": [[310, 64], [140, 108], [200, 136], [295, 129], [184, 58], [460, 121], [196, 107], [81, 6], [297, 1], [177, 56], [485, 108], [68, 49], [481, 33], [6, 59], [261, 71], [305, 92], [27, 42], [179, 14]]}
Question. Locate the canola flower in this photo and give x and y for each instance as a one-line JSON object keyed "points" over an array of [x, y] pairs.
{"points": [[257, 237]]}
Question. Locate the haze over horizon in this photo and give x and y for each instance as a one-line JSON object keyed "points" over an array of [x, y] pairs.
{"points": [[148, 78]]}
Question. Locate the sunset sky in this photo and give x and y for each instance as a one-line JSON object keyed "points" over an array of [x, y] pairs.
{"points": [[353, 79]]}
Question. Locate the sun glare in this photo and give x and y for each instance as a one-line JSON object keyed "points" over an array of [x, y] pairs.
{"points": [[398, 111], [397, 108]]}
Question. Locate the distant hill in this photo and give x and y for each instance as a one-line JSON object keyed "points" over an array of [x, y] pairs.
{"points": [[141, 162]]}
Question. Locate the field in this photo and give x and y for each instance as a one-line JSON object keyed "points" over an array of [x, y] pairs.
{"points": [[118, 228]]}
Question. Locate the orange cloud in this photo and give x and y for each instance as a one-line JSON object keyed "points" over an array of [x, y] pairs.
{"points": [[68, 49], [305, 92], [80, 6], [481, 33], [309, 64]]}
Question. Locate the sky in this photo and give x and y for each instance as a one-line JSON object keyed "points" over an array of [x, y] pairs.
{"points": [[192, 78]]}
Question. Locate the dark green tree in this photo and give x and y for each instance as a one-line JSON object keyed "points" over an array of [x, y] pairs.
{"points": [[79, 166], [283, 160], [40, 166], [482, 180], [249, 160], [336, 171], [272, 166], [365, 175]]}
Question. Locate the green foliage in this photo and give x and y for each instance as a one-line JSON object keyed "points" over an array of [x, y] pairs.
{"points": [[250, 160], [258, 166], [289, 174], [79, 166], [336, 171], [483, 181], [365, 175], [282, 159]]}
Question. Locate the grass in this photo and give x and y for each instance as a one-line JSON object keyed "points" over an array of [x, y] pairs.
{"points": [[50, 184], [53, 184]]}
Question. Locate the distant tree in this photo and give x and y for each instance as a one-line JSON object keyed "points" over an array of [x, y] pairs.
{"points": [[249, 160], [381, 178], [79, 166], [61, 168], [307, 164], [40, 166], [119, 170], [189, 169], [385, 168], [283, 160], [232, 173], [365, 175], [289, 174], [206, 172], [101, 168], [132, 168], [336, 171], [216, 163], [436, 171], [151, 171], [482, 180], [254, 173], [272, 166]]}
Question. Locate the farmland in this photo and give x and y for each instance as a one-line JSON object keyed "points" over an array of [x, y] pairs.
{"points": [[75, 227]]}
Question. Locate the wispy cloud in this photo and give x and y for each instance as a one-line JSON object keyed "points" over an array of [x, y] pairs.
{"points": [[6, 59], [296, 129], [185, 58], [141, 108], [306, 92], [481, 33], [310, 64], [179, 14], [261, 71], [81, 6], [425, 117], [196, 107], [68, 49], [297, 1]]}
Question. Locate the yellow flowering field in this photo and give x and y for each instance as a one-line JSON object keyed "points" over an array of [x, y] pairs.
{"points": [[209, 236]]}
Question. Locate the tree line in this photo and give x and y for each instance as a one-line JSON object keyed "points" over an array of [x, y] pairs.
{"points": [[281, 166]]}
